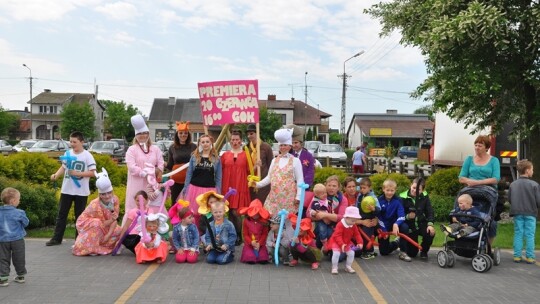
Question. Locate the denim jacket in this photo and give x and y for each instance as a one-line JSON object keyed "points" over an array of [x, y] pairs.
{"points": [[192, 237], [217, 173], [227, 235], [12, 223]]}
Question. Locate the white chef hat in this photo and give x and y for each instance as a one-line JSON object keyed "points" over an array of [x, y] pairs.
{"points": [[283, 136], [137, 121], [103, 183]]}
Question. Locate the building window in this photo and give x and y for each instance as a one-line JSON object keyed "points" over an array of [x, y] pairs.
{"points": [[42, 109], [52, 109], [283, 119]]}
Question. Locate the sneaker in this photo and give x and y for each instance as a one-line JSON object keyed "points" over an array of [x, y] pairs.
{"points": [[315, 266], [349, 270], [53, 242], [293, 263], [367, 256], [4, 283], [19, 279], [334, 271], [530, 260], [517, 260], [403, 256], [423, 255]]}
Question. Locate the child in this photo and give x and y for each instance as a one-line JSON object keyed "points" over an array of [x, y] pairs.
{"points": [[341, 240], [133, 238], [464, 225], [154, 250], [12, 248], [524, 197], [304, 247], [369, 208], [186, 236], [349, 188], [323, 228], [220, 238], [77, 170], [286, 236], [419, 217], [255, 232], [392, 217]]}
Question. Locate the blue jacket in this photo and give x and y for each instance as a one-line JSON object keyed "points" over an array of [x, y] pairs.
{"points": [[227, 234], [470, 221], [12, 223], [192, 237], [217, 173], [391, 212]]}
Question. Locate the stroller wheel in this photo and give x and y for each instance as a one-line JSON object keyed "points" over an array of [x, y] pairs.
{"points": [[481, 263], [451, 259], [442, 258], [496, 256]]}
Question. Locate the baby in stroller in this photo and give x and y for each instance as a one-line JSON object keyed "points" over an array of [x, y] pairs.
{"points": [[467, 235], [464, 225]]}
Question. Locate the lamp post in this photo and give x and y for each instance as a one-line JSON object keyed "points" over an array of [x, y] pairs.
{"points": [[343, 99], [31, 122], [305, 105]]}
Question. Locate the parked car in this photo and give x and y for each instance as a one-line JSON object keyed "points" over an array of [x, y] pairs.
{"points": [[50, 145], [164, 150], [111, 148], [167, 143], [408, 151], [311, 146], [333, 152], [24, 145], [121, 142], [5, 146]]}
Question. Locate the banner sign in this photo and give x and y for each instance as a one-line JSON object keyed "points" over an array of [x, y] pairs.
{"points": [[229, 102]]}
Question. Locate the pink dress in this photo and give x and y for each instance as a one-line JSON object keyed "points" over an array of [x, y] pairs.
{"points": [[135, 160], [92, 230], [252, 229], [282, 189]]}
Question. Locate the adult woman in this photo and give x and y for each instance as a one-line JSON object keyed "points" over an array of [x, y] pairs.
{"points": [[203, 175], [97, 226], [235, 171], [482, 170], [140, 153], [284, 176], [179, 154]]}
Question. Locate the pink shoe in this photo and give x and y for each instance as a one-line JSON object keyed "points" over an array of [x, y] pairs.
{"points": [[315, 266], [293, 263]]}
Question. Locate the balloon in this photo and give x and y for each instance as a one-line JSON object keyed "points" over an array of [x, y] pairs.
{"points": [[366, 203], [282, 214], [68, 159], [303, 188], [145, 237]]}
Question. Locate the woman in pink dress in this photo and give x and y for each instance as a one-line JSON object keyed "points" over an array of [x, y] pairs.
{"points": [[97, 226], [141, 152], [284, 176], [235, 172]]}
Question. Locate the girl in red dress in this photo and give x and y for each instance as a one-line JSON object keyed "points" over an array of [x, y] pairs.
{"points": [[341, 239], [255, 232]]}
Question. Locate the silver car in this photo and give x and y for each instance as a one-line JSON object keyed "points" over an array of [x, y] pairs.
{"points": [[24, 145], [5, 146], [111, 148], [333, 153]]}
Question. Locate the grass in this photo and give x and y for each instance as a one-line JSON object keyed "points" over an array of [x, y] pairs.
{"points": [[504, 239]]}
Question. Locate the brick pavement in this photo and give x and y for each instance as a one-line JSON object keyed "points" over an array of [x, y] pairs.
{"points": [[56, 276]]}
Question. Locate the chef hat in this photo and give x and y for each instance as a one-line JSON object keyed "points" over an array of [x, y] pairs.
{"points": [[137, 121], [283, 136], [103, 183]]}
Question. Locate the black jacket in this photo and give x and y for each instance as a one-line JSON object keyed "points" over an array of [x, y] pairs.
{"points": [[421, 206]]}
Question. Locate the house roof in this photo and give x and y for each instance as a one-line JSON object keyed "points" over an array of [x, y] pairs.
{"points": [[400, 128], [61, 98]]}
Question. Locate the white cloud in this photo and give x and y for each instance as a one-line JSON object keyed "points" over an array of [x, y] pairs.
{"points": [[41, 10], [118, 10], [117, 38]]}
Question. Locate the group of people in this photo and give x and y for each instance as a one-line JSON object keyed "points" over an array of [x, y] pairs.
{"points": [[219, 203]]}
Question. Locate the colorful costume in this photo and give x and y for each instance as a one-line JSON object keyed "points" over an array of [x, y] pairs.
{"points": [[255, 230], [235, 172]]}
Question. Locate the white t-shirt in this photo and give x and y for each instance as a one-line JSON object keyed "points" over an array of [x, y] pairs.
{"points": [[84, 162]]}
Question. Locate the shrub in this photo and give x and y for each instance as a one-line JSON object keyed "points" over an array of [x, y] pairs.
{"points": [[403, 182], [321, 174], [442, 205], [444, 182], [29, 167], [117, 173], [38, 201]]}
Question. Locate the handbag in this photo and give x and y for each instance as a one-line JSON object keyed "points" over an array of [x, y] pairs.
{"points": [[180, 177]]}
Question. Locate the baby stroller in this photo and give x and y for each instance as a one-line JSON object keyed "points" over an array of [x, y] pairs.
{"points": [[474, 245]]}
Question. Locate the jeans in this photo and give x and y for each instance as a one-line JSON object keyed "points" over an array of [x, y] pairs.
{"points": [[323, 230], [12, 251], [220, 258], [524, 228], [65, 204], [386, 247]]}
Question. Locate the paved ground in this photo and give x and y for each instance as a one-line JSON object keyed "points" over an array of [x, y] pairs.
{"points": [[56, 276]]}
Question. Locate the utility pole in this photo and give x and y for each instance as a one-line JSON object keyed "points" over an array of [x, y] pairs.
{"points": [[344, 100], [31, 122], [305, 110]]}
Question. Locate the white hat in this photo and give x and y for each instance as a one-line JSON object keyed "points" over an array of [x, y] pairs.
{"points": [[103, 183], [283, 136], [137, 121], [163, 227], [352, 212]]}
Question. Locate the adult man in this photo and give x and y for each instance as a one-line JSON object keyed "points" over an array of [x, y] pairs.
{"points": [[358, 160], [266, 159], [306, 158]]}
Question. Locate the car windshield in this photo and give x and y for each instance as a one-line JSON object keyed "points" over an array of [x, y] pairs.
{"points": [[47, 144], [27, 144], [103, 145], [330, 148]]}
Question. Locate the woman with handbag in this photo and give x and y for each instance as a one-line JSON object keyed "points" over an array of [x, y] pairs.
{"points": [[179, 154]]}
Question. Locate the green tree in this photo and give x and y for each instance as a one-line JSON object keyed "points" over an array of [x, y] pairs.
{"points": [[482, 57], [425, 110], [118, 119], [335, 138], [8, 121], [78, 117], [309, 135]]}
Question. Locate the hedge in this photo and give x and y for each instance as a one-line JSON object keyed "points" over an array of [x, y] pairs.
{"points": [[444, 182], [403, 182], [321, 174]]}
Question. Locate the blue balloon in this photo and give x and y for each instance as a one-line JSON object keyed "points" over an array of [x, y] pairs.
{"points": [[282, 214], [303, 188]]}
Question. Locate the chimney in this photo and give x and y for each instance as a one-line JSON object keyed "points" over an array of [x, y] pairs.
{"points": [[172, 101], [391, 112], [272, 97], [47, 90], [26, 109]]}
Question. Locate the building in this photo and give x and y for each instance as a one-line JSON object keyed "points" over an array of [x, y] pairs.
{"points": [[166, 111], [392, 128], [47, 106]]}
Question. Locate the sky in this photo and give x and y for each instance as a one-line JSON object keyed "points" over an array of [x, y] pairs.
{"points": [[138, 50]]}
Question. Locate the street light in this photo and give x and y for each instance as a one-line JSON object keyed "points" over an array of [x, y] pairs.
{"points": [[343, 98], [31, 122], [305, 106]]}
